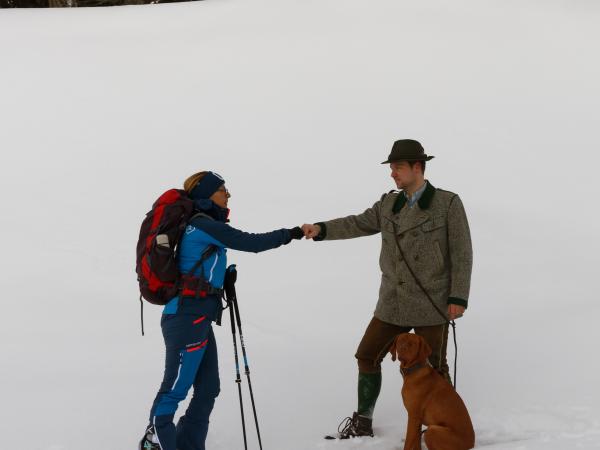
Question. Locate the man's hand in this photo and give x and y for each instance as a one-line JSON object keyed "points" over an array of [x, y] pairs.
{"points": [[311, 231], [455, 311]]}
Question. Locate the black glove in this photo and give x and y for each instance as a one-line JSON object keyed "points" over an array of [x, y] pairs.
{"points": [[296, 233], [229, 282]]}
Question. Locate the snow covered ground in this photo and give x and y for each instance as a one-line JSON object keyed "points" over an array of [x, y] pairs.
{"points": [[295, 103]]}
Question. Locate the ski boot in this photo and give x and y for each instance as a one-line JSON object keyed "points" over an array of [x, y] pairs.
{"points": [[149, 441], [355, 426]]}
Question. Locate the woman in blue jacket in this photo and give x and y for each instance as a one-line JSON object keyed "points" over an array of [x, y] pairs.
{"points": [[191, 351]]}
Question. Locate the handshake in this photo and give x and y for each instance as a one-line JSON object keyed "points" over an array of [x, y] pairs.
{"points": [[308, 231]]}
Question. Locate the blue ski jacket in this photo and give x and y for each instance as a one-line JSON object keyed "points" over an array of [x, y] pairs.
{"points": [[209, 228]]}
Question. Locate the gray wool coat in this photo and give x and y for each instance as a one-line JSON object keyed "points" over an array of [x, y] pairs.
{"points": [[435, 239]]}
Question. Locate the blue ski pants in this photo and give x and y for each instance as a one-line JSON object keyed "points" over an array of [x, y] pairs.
{"points": [[191, 360]]}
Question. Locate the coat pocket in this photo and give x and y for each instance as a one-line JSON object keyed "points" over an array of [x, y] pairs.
{"points": [[435, 223], [439, 257]]}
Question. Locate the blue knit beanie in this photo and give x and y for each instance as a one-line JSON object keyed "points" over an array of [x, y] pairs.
{"points": [[207, 186]]}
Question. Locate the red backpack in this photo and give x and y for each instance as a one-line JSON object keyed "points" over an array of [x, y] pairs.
{"points": [[161, 230]]}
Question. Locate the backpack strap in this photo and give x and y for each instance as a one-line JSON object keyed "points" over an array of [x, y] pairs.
{"points": [[201, 287], [204, 287], [210, 249], [200, 214]]}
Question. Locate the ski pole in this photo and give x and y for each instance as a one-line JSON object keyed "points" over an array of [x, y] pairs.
{"points": [[229, 281], [236, 311], [247, 369]]}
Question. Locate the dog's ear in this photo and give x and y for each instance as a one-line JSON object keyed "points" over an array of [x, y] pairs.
{"points": [[424, 350], [394, 348]]}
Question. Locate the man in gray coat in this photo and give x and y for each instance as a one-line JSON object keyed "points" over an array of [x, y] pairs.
{"points": [[425, 260]]}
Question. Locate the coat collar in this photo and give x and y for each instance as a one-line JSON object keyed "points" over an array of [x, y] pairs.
{"points": [[210, 208], [424, 202]]}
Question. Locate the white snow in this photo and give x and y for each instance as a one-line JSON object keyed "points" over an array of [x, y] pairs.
{"points": [[295, 103]]}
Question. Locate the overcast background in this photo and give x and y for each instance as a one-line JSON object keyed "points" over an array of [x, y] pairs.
{"points": [[296, 103]]}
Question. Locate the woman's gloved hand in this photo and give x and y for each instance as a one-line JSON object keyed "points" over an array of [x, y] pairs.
{"points": [[296, 233]]}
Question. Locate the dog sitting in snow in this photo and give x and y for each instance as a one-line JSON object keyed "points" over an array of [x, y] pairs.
{"points": [[430, 400]]}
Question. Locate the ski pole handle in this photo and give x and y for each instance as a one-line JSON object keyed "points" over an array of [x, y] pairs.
{"points": [[229, 284], [232, 272]]}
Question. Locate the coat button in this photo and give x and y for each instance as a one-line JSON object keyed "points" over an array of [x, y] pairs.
{"points": [[415, 233]]}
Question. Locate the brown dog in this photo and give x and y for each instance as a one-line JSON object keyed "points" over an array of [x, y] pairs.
{"points": [[430, 400]]}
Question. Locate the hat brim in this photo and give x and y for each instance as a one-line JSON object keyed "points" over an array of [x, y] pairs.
{"points": [[423, 158]]}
